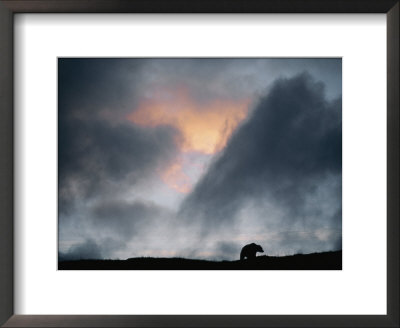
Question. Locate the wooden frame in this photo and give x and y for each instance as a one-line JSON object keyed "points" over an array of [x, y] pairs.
{"points": [[7, 10]]}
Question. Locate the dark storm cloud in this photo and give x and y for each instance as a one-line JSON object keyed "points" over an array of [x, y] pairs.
{"points": [[93, 154], [87, 86], [97, 147], [285, 152], [101, 156], [101, 84], [237, 78]]}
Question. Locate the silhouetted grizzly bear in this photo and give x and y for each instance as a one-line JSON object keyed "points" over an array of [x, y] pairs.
{"points": [[249, 251]]}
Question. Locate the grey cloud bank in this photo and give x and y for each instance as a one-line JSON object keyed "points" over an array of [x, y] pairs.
{"points": [[287, 155]]}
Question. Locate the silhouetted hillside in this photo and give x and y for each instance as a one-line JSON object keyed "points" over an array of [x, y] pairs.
{"points": [[315, 261]]}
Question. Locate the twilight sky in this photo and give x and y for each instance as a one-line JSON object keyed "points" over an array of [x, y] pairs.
{"points": [[198, 157]]}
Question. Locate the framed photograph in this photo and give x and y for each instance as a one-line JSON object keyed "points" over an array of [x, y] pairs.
{"points": [[199, 164]]}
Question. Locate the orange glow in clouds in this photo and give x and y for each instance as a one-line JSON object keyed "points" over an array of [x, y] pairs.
{"points": [[175, 178], [204, 127]]}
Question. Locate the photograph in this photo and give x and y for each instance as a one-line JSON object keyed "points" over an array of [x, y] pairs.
{"points": [[178, 163]]}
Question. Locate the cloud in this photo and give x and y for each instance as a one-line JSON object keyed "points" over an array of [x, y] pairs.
{"points": [[114, 228], [205, 127], [83, 251], [227, 250], [92, 249], [127, 219], [234, 78], [89, 86], [281, 169], [104, 161], [94, 155], [99, 152]]}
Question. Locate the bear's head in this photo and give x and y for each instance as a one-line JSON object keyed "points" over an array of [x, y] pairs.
{"points": [[258, 248]]}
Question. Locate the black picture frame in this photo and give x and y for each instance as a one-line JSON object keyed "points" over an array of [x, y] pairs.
{"points": [[10, 7]]}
